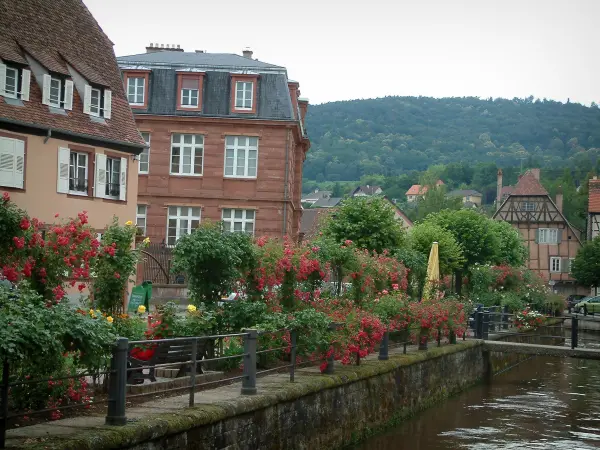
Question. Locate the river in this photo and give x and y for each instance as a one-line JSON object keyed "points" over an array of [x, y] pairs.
{"points": [[543, 403]]}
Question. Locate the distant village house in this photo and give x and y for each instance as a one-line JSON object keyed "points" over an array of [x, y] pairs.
{"points": [[417, 191]]}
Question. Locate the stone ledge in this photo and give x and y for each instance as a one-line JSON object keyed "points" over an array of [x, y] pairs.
{"points": [[172, 383], [156, 426]]}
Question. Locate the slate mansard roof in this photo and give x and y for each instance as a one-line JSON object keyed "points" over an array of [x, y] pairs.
{"points": [[273, 96], [58, 33]]}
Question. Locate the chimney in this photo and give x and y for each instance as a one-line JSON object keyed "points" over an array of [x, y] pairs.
{"points": [[153, 48], [247, 53], [200, 51], [559, 199], [536, 173], [499, 189], [303, 105]]}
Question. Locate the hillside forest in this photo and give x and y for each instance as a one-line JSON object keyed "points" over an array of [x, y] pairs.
{"points": [[396, 142]]}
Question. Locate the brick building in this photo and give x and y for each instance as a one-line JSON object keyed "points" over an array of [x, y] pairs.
{"points": [[226, 142]]}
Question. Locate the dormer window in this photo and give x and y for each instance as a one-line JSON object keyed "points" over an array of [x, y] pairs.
{"points": [[244, 93], [136, 87], [14, 82], [97, 101], [189, 88], [57, 92]]}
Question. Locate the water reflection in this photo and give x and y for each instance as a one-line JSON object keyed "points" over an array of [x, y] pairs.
{"points": [[544, 403]]}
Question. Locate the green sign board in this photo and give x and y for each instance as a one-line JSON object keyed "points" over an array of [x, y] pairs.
{"points": [[139, 296]]}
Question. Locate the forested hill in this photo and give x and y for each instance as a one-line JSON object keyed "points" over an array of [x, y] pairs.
{"points": [[393, 135]]}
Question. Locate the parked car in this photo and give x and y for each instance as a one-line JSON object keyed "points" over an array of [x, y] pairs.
{"points": [[573, 299], [588, 305]]}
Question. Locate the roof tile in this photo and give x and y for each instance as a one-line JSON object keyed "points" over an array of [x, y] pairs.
{"points": [[529, 185]]}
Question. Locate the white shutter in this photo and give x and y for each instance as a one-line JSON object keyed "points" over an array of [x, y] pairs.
{"points": [[25, 82], [47, 79], [19, 164], [123, 180], [62, 179], [7, 162], [100, 187], [2, 78], [87, 99], [68, 104], [107, 103]]}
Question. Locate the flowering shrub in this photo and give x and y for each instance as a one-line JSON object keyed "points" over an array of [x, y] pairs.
{"points": [[528, 319]]}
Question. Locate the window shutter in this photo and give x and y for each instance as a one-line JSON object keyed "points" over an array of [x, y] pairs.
{"points": [[537, 236], [19, 164], [565, 265], [2, 78], [68, 104], [100, 187], [87, 99], [46, 89], [559, 233], [7, 162], [62, 181], [107, 103], [25, 82], [123, 181]]}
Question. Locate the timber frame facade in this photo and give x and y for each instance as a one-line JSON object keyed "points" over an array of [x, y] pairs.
{"points": [[552, 242]]}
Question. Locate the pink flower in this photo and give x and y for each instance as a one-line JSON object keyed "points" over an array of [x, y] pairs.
{"points": [[6, 197]]}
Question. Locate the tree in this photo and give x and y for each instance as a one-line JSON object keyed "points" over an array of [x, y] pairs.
{"points": [[337, 190], [586, 266], [512, 249], [434, 201], [424, 234], [369, 222]]}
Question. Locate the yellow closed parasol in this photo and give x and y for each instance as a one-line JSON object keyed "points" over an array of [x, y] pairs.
{"points": [[433, 272]]}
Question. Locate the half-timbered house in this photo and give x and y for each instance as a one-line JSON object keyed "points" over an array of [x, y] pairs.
{"points": [[552, 241], [593, 227]]}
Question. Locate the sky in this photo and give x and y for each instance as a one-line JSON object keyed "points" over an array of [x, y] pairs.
{"points": [[343, 50]]}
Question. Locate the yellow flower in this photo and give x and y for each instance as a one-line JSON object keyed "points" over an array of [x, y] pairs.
{"points": [[141, 309], [146, 241], [92, 312], [191, 308], [109, 319], [129, 223]]}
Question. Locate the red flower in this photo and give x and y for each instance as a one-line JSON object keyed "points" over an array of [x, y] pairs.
{"points": [[25, 224], [117, 275], [6, 197]]}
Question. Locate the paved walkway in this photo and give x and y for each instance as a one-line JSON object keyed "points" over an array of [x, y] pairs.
{"points": [[76, 425]]}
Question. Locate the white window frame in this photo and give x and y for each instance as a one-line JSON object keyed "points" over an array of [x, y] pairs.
{"points": [[111, 176], [75, 170], [247, 95], [141, 216], [229, 220], [187, 93], [51, 102], [95, 108], [5, 92], [194, 148], [233, 148], [136, 84], [145, 155], [555, 264], [548, 236], [528, 206], [175, 213]]}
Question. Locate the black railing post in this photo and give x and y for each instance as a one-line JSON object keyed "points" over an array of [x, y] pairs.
{"points": [[574, 332], [293, 341], [486, 323], [439, 337], [384, 347], [4, 404], [117, 386], [505, 318], [193, 368], [249, 380], [479, 324]]}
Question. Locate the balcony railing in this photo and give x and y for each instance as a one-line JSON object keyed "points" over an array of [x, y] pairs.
{"points": [[113, 189], [78, 185]]}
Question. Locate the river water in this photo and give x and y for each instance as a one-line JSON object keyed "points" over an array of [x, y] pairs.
{"points": [[543, 403]]}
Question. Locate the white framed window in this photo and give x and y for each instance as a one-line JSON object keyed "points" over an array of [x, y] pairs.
{"points": [[95, 102], [57, 92], [555, 264], [11, 83], [241, 156], [145, 155], [190, 89], [136, 90], [547, 236], [528, 206], [12, 162], [181, 221], [187, 154], [78, 173], [141, 217], [244, 91], [14, 82], [55, 97], [238, 220], [113, 177]]}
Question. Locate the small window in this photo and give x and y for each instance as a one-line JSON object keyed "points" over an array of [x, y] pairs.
{"points": [[548, 236], [95, 102], [189, 92], [140, 218], [238, 220], [55, 97], [555, 264], [11, 82], [241, 156], [136, 90], [528, 206], [187, 152], [145, 155], [181, 220], [243, 94], [113, 177], [78, 173], [12, 162]]}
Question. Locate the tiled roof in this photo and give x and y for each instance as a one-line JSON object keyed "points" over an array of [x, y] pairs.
{"points": [[417, 189], [369, 190], [464, 193], [189, 59], [594, 197], [312, 220], [54, 32], [507, 190], [327, 202], [529, 185]]}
